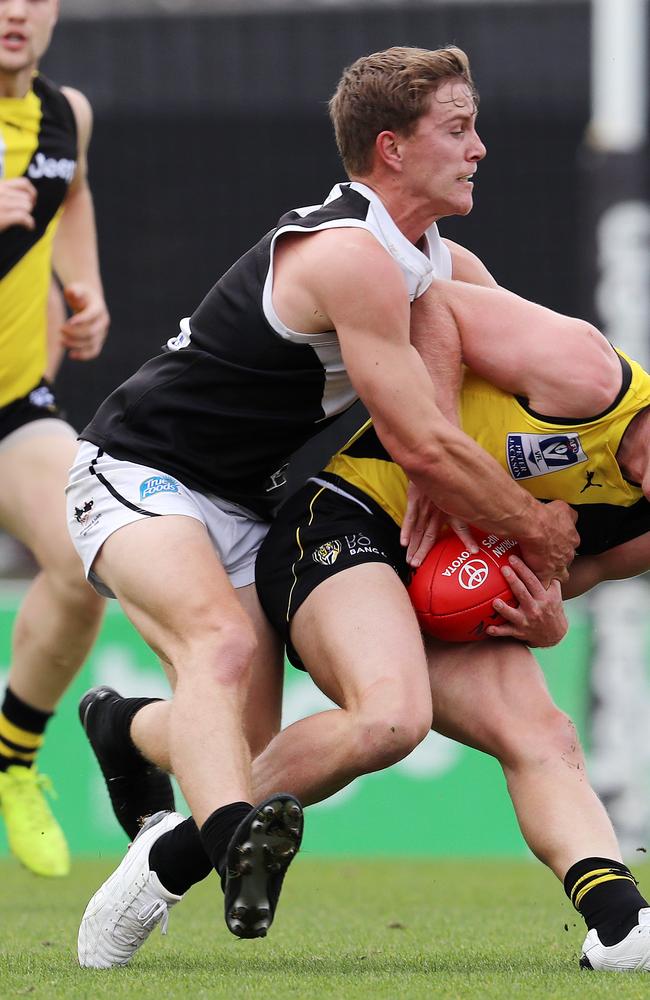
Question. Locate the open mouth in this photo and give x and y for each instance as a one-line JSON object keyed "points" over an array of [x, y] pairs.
{"points": [[13, 39]]}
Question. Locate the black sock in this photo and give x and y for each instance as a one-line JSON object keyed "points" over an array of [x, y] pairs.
{"points": [[218, 829], [179, 859], [605, 894], [21, 731], [122, 712]]}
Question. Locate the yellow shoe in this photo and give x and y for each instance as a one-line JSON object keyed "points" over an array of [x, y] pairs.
{"points": [[34, 835]]}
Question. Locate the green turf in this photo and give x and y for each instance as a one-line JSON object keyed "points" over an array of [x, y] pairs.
{"points": [[394, 930]]}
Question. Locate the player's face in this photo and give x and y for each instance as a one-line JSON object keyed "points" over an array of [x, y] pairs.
{"points": [[25, 31], [441, 157]]}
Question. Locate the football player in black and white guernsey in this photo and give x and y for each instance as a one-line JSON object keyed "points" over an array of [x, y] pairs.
{"points": [[184, 462]]}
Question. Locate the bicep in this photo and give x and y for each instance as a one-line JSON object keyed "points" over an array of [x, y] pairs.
{"points": [[367, 301], [466, 266]]}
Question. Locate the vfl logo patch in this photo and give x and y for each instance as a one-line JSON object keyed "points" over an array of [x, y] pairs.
{"points": [[158, 484], [540, 454], [327, 553]]}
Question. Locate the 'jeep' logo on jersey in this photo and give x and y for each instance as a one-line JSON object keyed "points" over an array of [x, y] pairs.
{"points": [[539, 454], [158, 484], [327, 553], [47, 166]]}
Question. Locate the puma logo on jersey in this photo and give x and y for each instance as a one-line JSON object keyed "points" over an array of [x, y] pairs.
{"points": [[590, 483], [47, 166]]}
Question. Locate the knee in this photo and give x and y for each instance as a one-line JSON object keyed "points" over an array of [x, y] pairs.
{"points": [[548, 737], [387, 734], [223, 650], [71, 589]]}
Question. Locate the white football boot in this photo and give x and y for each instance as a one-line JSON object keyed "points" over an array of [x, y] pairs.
{"points": [[632, 954], [126, 908]]}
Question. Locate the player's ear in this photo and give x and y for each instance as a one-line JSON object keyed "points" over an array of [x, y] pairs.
{"points": [[389, 151]]}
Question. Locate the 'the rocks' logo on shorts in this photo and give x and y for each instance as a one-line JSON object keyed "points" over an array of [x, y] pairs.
{"points": [[81, 513], [327, 553], [158, 484]]}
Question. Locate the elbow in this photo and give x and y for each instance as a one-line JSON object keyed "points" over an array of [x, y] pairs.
{"points": [[419, 458]]}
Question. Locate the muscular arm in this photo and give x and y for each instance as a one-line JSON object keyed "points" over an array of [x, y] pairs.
{"points": [[466, 266], [520, 347], [75, 258], [357, 289], [436, 337], [630, 559], [435, 333]]}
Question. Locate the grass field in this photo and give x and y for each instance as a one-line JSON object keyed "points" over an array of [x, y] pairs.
{"points": [[345, 929]]}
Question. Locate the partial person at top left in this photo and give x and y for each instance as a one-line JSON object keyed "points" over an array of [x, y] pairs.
{"points": [[47, 225]]}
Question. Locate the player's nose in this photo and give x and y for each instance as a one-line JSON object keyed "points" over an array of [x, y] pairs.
{"points": [[477, 149]]}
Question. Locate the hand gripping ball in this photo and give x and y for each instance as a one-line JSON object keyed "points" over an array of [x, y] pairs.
{"points": [[453, 590]]}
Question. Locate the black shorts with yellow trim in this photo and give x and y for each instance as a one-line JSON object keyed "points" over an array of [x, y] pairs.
{"points": [[38, 404], [319, 532]]}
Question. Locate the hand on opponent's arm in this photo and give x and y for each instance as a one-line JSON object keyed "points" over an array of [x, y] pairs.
{"points": [[422, 524]]}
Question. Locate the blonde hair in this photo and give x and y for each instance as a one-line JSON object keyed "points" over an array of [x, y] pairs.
{"points": [[389, 90]]}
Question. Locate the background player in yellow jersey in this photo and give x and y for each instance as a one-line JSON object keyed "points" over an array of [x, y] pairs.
{"points": [[46, 220]]}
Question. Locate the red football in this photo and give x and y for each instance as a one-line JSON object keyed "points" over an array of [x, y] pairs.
{"points": [[453, 590]]}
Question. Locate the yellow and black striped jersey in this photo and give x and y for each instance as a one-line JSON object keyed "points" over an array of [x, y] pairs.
{"points": [[38, 140], [552, 458]]}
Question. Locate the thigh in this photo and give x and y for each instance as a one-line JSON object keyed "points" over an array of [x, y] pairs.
{"points": [[484, 693], [358, 636], [34, 464], [318, 535], [168, 578]]}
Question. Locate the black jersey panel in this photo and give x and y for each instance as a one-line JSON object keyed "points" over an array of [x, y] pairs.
{"points": [[50, 171], [368, 445], [350, 204], [219, 427], [603, 526]]}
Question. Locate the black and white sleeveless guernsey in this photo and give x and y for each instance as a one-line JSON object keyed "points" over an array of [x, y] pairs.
{"points": [[236, 392]]}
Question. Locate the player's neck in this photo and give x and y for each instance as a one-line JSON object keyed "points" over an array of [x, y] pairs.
{"points": [[16, 84], [412, 218]]}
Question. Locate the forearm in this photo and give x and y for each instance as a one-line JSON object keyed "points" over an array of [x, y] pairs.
{"points": [[465, 481], [620, 563], [435, 336], [75, 257]]}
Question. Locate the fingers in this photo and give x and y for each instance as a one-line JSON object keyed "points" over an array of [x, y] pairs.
{"points": [[419, 547], [462, 531], [17, 200], [410, 515]]}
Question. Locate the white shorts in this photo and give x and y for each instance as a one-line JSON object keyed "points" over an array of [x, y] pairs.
{"points": [[104, 494]]}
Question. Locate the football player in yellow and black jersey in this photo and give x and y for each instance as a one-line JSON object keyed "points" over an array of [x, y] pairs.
{"points": [[568, 417], [46, 224]]}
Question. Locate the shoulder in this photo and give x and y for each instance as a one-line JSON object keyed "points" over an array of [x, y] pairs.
{"points": [[466, 266], [82, 112]]}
